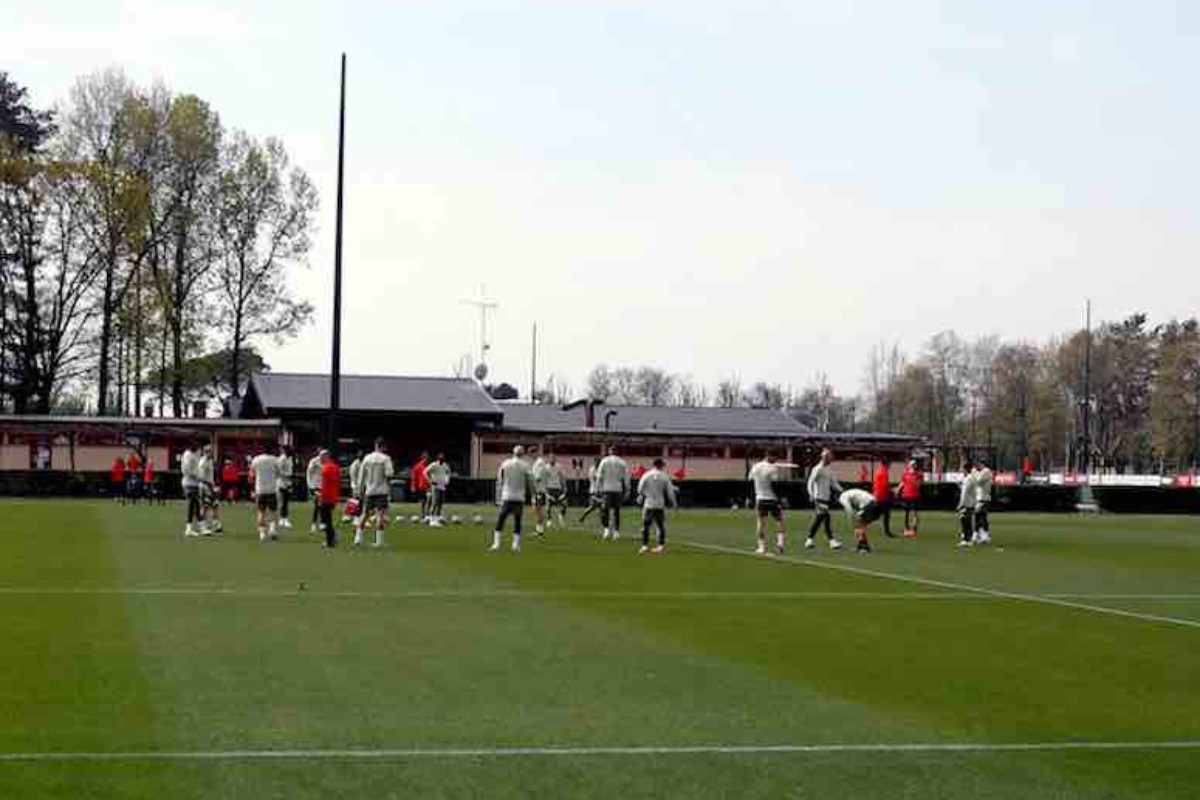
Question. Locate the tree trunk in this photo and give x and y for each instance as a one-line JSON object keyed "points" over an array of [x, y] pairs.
{"points": [[137, 347], [235, 358], [177, 301], [162, 369], [105, 337]]}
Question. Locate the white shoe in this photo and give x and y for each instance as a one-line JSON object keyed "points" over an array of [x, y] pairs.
{"points": [[659, 549], [516, 547], [964, 543], [809, 543], [983, 537], [494, 547], [616, 535], [190, 531], [643, 550], [312, 529], [761, 550], [835, 544], [606, 535], [540, 529], [262, 536]]}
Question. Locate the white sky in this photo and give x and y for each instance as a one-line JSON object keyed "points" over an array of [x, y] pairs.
{"points": [[767, 189]]}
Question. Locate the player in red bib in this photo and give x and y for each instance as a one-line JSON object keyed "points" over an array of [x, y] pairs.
{"points": [[909, 491], [116, 477], [329, 496], [882, 491]]}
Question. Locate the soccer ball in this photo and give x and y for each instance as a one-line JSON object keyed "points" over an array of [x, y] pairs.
{"points": [[733, 507], [414, 518], [456, 519], [478, 519]]}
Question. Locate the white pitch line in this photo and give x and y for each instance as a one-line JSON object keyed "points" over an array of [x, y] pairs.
{"points": [[953, 586], [510, 752]]}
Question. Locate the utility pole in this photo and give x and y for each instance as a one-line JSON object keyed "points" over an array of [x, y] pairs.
{"points": [[485, 306], [1087, 387], [335, 377], [533, 368]]}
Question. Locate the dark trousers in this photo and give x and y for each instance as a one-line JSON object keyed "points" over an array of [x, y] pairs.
{"points": [[821, 518], [885, 514], [513, 509], [658, 518], [325, 514], [193, 505], [981, 516], [966, 521], [612, 510], [285, 494], [316, 504], [437, 500]]}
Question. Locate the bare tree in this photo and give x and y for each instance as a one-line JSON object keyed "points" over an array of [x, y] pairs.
{"points": [[625, 387], [654, 386], [600, 382], [729, 392]]}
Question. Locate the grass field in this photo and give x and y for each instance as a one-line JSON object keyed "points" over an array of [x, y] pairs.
{"points": [[135, 663]]}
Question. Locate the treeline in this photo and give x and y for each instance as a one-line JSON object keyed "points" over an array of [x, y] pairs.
{"points": [[144, 249], [1011, 399]]}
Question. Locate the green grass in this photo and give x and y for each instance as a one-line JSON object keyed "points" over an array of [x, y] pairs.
{"points": [[119, 636]]}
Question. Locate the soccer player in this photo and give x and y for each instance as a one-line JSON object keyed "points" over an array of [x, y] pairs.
{"points": [[821, 486], [329, 492], [312, 477], [762, 477], [909, 492], [983, 502], [133, 476], [538, 473], [966, 506], [438, 475], [554, 484], [612, 475], [595, 499], [862, 510], [287, 465], [209, 500], [514, 486], [148, 482], [419, 484], [657, 492], [356, 485], [229, 480], [882, 490], [265, 467], [375, 481], [116, 478], [189, 468]]}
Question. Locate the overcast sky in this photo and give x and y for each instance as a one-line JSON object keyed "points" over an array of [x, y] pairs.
{"points": [[765, 189]]}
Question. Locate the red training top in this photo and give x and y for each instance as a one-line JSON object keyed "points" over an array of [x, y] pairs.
{"points": [[118, 470], [910, 484], [134, 463], [331, 483], [148, 476], [229, 473], [881, 489], [419, 482]]}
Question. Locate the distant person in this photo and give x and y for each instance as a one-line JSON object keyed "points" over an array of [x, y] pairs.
{"points": [[595, 498], [881, 489], [554, 485], [148, 481], [229, 480], [861, 509], [514, 487], [613, 477], [821, 488], [356, 484], [189, 471], [909, 492], [287, 465], [762, 477], [328, 495], [419, 484], [116, 479], [312, 477], [438, 475], [983, 503], [265, 468], [966, 506], [210, 496], [375, 478], [657, 493], [133, 476]]}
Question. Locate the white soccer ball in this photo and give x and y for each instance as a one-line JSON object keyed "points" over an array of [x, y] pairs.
{"points": [[456, 519], [478, 519], [733, 507], [414, 518]]}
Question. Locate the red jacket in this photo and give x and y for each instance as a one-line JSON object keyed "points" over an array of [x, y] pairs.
{"points": [[134, 463], [148, 476], [882, 490], [331, 483], [118, 470], [910, 484], [229, 473], [419, 482]]}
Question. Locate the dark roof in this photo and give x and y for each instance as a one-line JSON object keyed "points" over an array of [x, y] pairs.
{"points": [[762, 423], [136, 422], [398, 393]]}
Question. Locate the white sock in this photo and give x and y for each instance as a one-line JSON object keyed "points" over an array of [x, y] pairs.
{"points": [[495, 538], [516, 541], [379, 537], [779, 539]]}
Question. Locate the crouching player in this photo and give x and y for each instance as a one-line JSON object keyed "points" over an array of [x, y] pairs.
{"points": [[657, 493], [862, 510]]}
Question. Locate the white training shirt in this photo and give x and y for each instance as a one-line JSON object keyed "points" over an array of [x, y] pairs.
{"points": [[205, 469], [967, 491], [312, 474], [822, 484], [593, 480], [513, 481], [189, 465], [286, 465], [855, 500], [613, 475], [375, 474], [656, 489], [983, 485], [763, 475], [438, 475], [266, 473], [553, 478], [538, 472], [356, 476]]}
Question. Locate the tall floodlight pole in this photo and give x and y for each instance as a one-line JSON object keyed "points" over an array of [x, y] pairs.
{"points": [[1087, 385], [335, 377], [484, 305], [533, 370]]}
